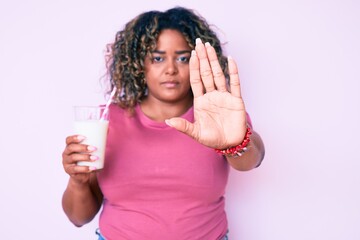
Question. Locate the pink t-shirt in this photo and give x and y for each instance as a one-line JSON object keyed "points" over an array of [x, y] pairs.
{"points": [[159, 183]]}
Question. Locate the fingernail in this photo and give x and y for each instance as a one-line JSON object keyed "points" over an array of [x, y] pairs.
{"points": [[198, 40], [80, 138], [207, 44], [92, 168], [91, 148], [193, 53], [167, 121], [94, 158]]}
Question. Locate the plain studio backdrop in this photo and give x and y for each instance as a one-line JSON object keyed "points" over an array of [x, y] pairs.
{"points": [[299, 68]]}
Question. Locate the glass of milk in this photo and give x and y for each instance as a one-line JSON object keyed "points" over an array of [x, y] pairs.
{"points": [[92, 123]]}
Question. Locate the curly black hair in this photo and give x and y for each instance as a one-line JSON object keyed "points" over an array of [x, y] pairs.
{"points": [[125, 57]]}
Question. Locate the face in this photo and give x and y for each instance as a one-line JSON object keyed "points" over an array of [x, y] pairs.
{"points": [[167, 70]]}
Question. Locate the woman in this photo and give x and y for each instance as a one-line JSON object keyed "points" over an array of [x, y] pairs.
{"points": [[176, 125]]}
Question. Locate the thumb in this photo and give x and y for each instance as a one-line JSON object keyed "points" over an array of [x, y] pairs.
{"points": [[181, 125]]}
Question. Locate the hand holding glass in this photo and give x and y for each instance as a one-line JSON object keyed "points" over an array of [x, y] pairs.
{"points": [[92, 123]]}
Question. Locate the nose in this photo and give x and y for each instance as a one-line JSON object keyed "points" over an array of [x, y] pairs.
{"points": [[171, 67]]}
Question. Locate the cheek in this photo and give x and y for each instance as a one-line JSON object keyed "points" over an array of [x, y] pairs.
{"points": [[186, 82], [150, 74], [185, 72]]}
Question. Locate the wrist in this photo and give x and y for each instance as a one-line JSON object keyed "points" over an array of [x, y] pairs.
{"points": [[239, 149]]}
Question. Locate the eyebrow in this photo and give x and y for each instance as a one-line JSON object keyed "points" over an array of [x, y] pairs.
{"points": [[177, 52]]}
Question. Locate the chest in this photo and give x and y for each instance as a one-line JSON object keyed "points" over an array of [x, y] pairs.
{"points": [[152, 163]]}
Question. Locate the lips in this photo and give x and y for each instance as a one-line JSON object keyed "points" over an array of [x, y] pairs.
{"points": [[170, 84]]}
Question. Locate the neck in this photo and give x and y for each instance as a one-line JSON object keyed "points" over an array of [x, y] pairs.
{"points": [[160, 111]]}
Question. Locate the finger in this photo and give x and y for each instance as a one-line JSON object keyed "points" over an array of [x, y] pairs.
{"points": [[205, 69], [217, 72], [182, 125], [74, 169], [78, 148], [234, 78], [76, 157], [195, 79], [74, 139]]}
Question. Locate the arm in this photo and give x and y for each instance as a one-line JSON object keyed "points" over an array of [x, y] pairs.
{"points": [[252, 158], [81, 202], [82, 198]]}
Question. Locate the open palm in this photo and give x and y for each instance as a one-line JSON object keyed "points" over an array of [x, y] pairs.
{"points": [[220, 116]]}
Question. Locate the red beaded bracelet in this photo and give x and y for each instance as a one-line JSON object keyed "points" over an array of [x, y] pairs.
{"points": [[239, 149]]}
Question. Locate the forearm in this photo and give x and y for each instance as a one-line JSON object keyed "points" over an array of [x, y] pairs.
{"points": [[252, 157], [80, 203]]}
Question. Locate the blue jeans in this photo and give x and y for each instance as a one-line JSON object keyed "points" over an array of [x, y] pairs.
{"points": [[101, 237]]}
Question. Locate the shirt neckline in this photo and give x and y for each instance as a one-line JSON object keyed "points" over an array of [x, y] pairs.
{"points": [[145, 120]]}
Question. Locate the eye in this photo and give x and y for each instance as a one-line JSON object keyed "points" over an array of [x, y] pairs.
{"points": [[158, 59], [183, 59]]}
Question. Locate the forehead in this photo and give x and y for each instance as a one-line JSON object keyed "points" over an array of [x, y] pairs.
{"points": [[172, 39]]}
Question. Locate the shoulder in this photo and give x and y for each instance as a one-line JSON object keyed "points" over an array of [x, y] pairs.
{"points": [[119, 110]]}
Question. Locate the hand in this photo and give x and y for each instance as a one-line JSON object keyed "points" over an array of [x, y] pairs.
{"points": [[74, 152], [220, 116]]}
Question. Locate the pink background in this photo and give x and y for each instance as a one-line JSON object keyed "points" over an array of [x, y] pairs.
{"points": [[300, 71]]}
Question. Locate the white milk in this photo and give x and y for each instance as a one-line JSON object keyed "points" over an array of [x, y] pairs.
{"points": [[95, 132]]}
